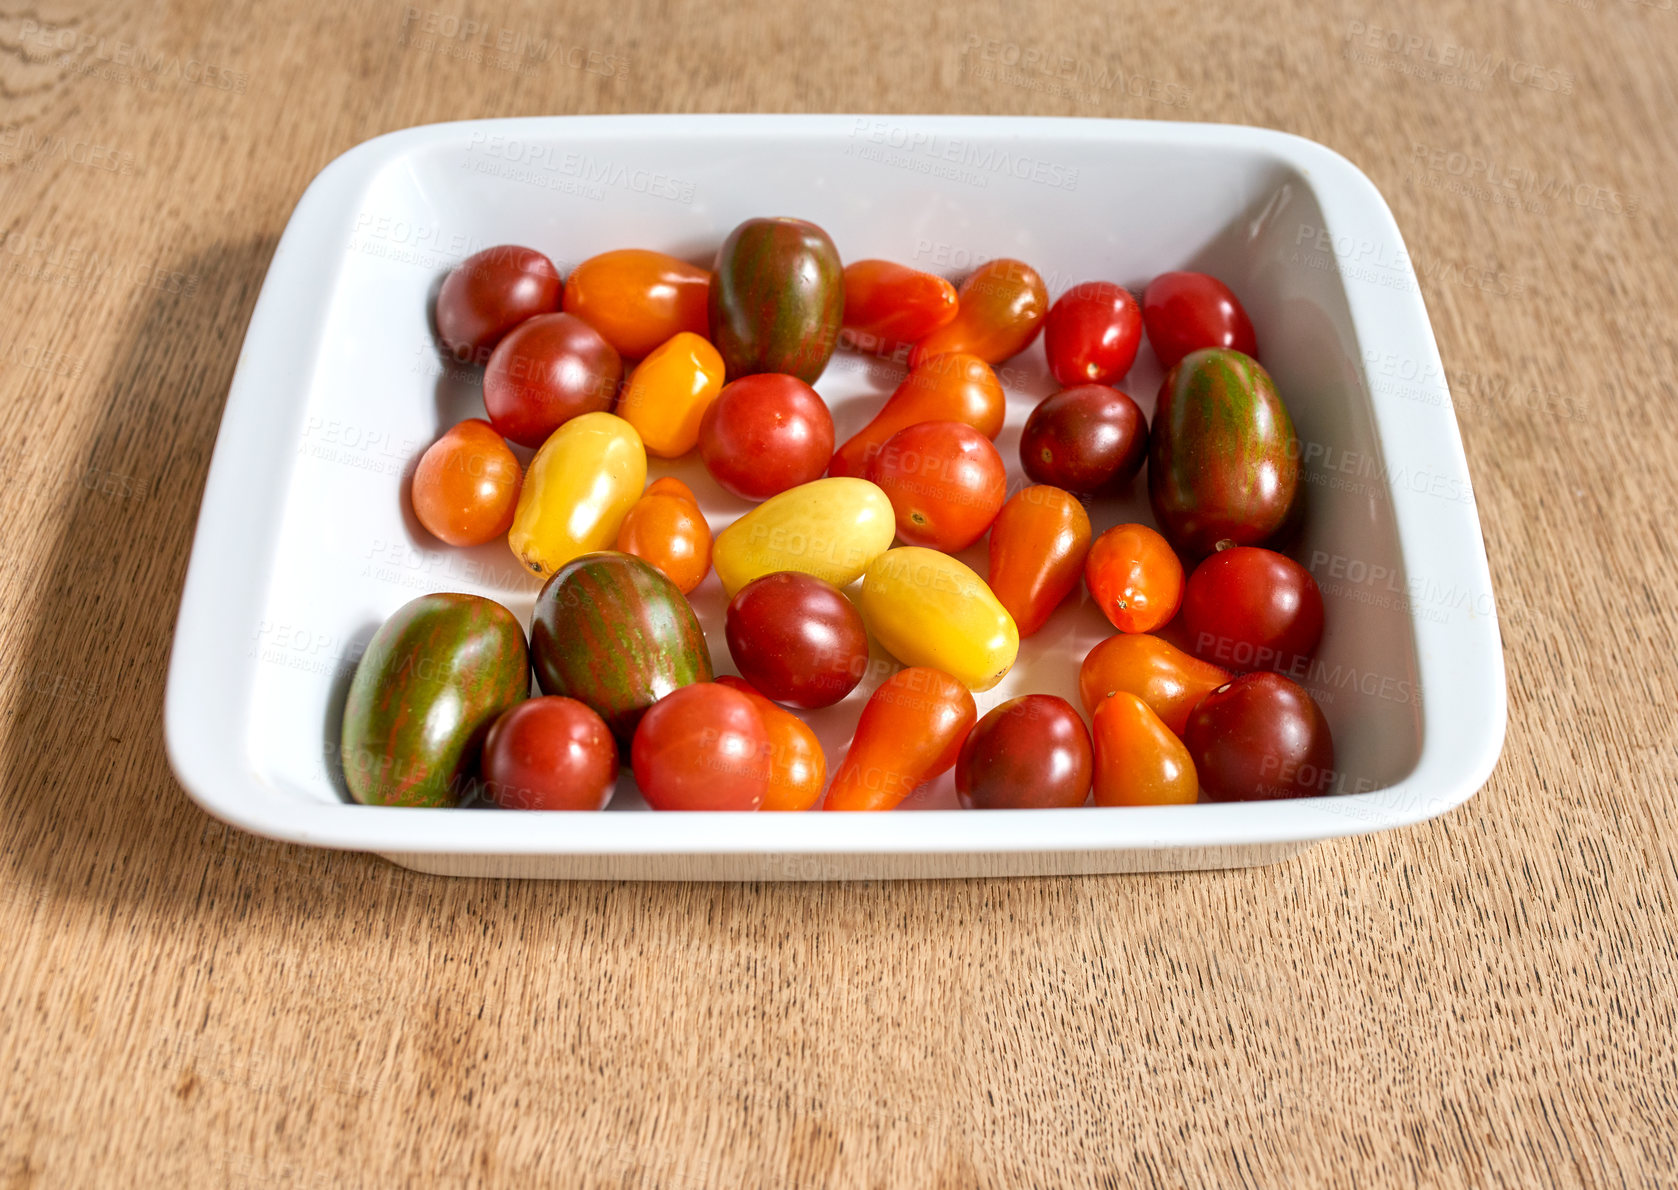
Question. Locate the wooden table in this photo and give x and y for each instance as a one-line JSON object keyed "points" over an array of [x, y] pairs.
{"points": [[1488, 999]]}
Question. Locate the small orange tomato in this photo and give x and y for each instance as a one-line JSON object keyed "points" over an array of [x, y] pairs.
{"points": [[910, 732], [1169, 680], [637, 299], [1037, 549], [947, 388], [1135, 577], [467, 485], [797, 766], [669, 392], [1002, 307], [888, 303], [1138, 762], [666, 528], [945, 481]]}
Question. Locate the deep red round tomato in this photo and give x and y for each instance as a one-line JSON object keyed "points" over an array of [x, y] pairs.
{"points": [[1184, 312], [1260, 737], [797, 639], [946, 483], [490, 293], [550, 369], [1085, 439], [1028, 753], [1248, 608], [702, 747], [1134, 577], [1092, 333], [550, 753], [766, 433]]}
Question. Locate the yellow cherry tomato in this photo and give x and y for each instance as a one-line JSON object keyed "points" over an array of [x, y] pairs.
{"points": [[831, 528], [578, 489], [926, 608], [670, 391]]}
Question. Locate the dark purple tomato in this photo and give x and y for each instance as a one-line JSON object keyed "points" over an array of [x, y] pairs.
{"points": [[1085, 439], [1092, 334], [1258, 738], [1184, 312], [797, 639], [766, 433], [702, 747], [1029, 753], [1248, 608], [550, 369], [489, 294], [550, 753]]}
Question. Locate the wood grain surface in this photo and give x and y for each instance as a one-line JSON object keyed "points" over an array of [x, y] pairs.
{"points": [[1486, 1000]]}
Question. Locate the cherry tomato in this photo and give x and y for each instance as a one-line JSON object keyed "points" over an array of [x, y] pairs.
{"points": [[1260, 736], [1184, 312], [766, 433], [702, 747], [668, 393], [1037, 548], [1092, 333], [1085, 439], [1001, 309], [1249, 608], [1138, 762], [1135, 577], [550, 369], [491, 292], [797, 766], [549, 753], [910, 732], [1029, 753], [1170, 681], [466, 486], [797, 639], [637, 299], [944, 388], [666, 528], [887, 304], [945, 481]]}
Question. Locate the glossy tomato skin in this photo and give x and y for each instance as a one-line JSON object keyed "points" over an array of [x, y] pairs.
{"points": [[1258, 738], [766, 433], [945, 481], [797, 764], [1092, 333], [1088, 439], [1000, 310], [550, 753], [490, 293], [467, 485], [1135, 578], [777, 299], [1169, 680], [887, 304], [550, 369], [910, 732], [666, 528], [1038, 543], [1248, 608], [1138, 761], [638, 299], [1029, 753], [797, 639], [1185, 312], [702, 747], [956, 387]]}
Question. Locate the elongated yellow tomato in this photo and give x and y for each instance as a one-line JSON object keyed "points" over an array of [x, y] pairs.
{"points": [[670, 391], [831, 528], [926, 608], [578, 489]]}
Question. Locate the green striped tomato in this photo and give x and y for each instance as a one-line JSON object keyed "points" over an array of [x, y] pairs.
{"points": [[777, 299]]}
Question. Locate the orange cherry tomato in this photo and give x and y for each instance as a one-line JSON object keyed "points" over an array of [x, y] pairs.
{"points": [[637, 299], [945, 388], [1169, 680], [910, 732], [1037, 549], [945, 481], [669, 392], [466, 486], [666, 528], [797, 767], [888, 303], [1138, 762], [1135, 577], [1002, 307]]}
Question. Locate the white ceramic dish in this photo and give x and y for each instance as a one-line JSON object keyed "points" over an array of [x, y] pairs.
{"points": [[305, 544]]}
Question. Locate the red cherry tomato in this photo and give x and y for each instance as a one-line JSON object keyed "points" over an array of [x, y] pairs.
{"points": [[944, 388], [550, 369], [797, 639], [1260, 737], [1001, 308], [1085, 439], [490, 293], [946, 483], [766, 433], [1184, 312], [797, 765], [887, 304], [1135, 578], [1028, 753], [466, 487], [702, 747], [1092, 333], [1038, 543], [550, 753], [1249, 608], [910, 732]]}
